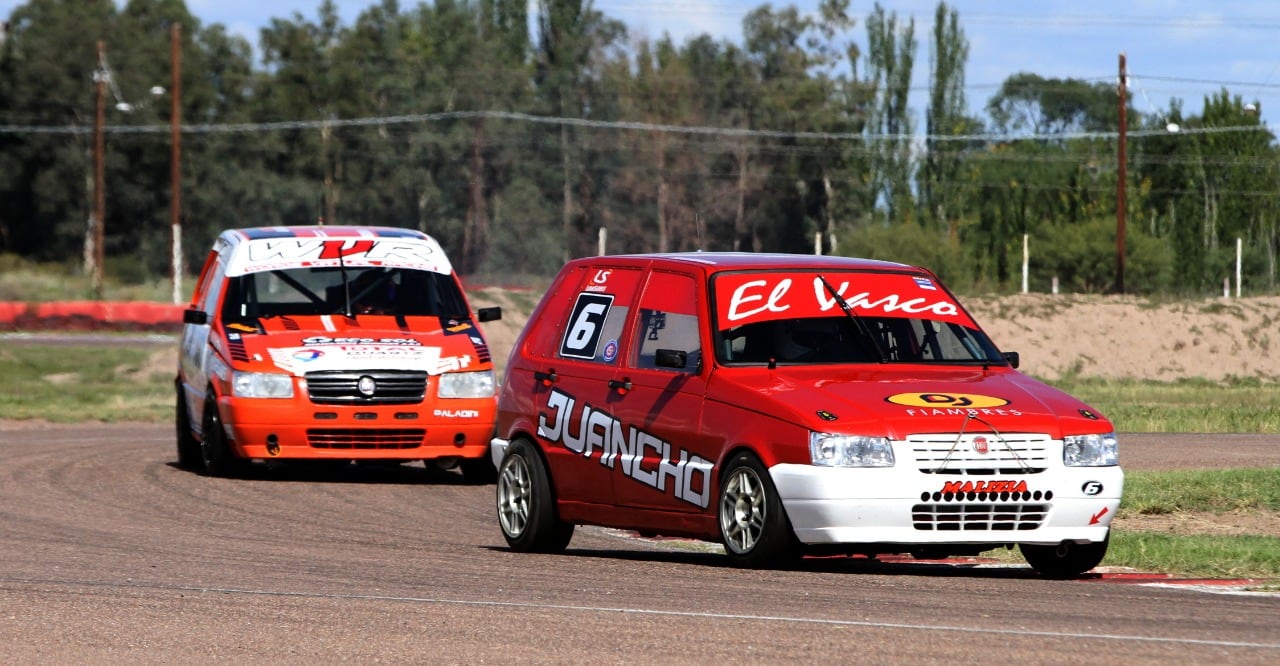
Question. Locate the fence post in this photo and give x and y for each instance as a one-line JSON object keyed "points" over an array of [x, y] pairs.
{"points": [[1026, 259], [1239, 251]]}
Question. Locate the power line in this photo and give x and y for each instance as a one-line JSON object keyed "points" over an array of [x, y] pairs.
{"points": [[246, 128]]}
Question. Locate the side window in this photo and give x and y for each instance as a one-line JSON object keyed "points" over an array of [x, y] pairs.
{"points": [[668, 320], [202, 283], [597, 313], [213, 289], [586, 326]]}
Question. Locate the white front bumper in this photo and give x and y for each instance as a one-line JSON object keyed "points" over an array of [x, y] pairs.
{"points": [[902, 505]]}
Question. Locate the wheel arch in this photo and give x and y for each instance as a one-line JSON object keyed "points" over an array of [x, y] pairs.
{"points": [[538, 448]]}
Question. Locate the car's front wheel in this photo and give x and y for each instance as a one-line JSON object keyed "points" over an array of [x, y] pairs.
{"points": [[1065, 560], [526, 505], [478, 470], [215, 451], [753, 525]]}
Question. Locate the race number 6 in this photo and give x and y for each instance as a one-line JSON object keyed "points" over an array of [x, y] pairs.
{"points": [[586, 324]]}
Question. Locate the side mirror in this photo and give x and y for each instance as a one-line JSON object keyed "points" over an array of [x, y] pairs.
{"points": [[1011, 358], [489, 314], [197, 317], [670, 358]]}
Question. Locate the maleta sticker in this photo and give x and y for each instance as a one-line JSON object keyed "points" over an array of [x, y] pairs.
{"points": [[946, 400]]}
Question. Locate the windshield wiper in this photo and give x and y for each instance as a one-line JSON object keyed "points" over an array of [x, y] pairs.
{"points": [[857, 321]]}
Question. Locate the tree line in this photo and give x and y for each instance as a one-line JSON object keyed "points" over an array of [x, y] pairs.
{"points": [[516, 147]]}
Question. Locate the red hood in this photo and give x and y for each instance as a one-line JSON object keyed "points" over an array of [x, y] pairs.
{"points": [[896, 401], [299, 345]]}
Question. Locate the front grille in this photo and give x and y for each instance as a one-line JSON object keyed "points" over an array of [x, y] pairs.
{"points": [[978, 517], [365, 438], [1018, 453], [392, 387]]}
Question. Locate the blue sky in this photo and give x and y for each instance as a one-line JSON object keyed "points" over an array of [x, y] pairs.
{"points": [[1175, 48]]}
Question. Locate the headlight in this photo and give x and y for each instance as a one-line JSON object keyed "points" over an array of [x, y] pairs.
{"points": [[831, 450], [466, 384], [261, 385], [1090, 450]]}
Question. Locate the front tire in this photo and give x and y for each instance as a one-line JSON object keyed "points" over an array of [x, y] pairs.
{"points": [[1065, 560], [753, 525], [479, 471], [189, 456], [215, 451], [526, 504]]}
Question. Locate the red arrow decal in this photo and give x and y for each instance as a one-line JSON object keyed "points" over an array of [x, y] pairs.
{"points": [[333, 249], [1098, 516]]}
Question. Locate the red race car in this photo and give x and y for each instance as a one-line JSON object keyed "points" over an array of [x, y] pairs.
{"points": [[788, 404]]}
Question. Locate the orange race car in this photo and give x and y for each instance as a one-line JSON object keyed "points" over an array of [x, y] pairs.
{"points": [[333, 343]]}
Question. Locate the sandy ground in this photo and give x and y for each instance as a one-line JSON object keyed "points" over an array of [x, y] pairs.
{"points": [[1126, 336]]}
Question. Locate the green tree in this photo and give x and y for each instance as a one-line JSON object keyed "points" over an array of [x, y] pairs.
{"points": [[940, 175], [570, 34], [46, 79], [891, 55]]}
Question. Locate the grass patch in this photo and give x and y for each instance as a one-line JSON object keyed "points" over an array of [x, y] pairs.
{"points": [[69, 384], [28, 281], [1155, 493], [1196, 556], [1236, 406], [1213, 491]]}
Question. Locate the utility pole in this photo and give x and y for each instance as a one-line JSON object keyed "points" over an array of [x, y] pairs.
{"points": [[96, 254], [1122, 174], [175, 159]]}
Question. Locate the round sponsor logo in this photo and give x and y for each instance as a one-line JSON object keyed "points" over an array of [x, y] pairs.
{"points": [[306, 355], [944, 400], [610, 350]]}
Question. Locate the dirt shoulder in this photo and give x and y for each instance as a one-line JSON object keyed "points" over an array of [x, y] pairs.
{"points": [[1130, 337]]}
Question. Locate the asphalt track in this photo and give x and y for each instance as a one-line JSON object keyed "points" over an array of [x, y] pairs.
{"points": [[111, 554]]}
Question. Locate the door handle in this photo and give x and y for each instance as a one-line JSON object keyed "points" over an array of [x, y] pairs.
{"points": [[546, 378], [620, 386]]}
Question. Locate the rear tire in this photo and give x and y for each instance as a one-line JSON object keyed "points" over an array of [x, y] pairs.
{"points": [[753, 525], [189, 456], [526, 503], [215, 451], [1065, 560]]}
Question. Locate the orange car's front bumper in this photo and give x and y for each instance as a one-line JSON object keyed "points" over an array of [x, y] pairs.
{"points": [[296, 429]]}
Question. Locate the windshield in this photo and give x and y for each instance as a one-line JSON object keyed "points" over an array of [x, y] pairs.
{"points": [[843, 317], [839, 339], [321, 291]]}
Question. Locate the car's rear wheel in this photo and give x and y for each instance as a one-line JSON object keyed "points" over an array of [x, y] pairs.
{"points": [[753, 525], [1065, 560], [189, 456], [526, 504], [215, 451]]}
